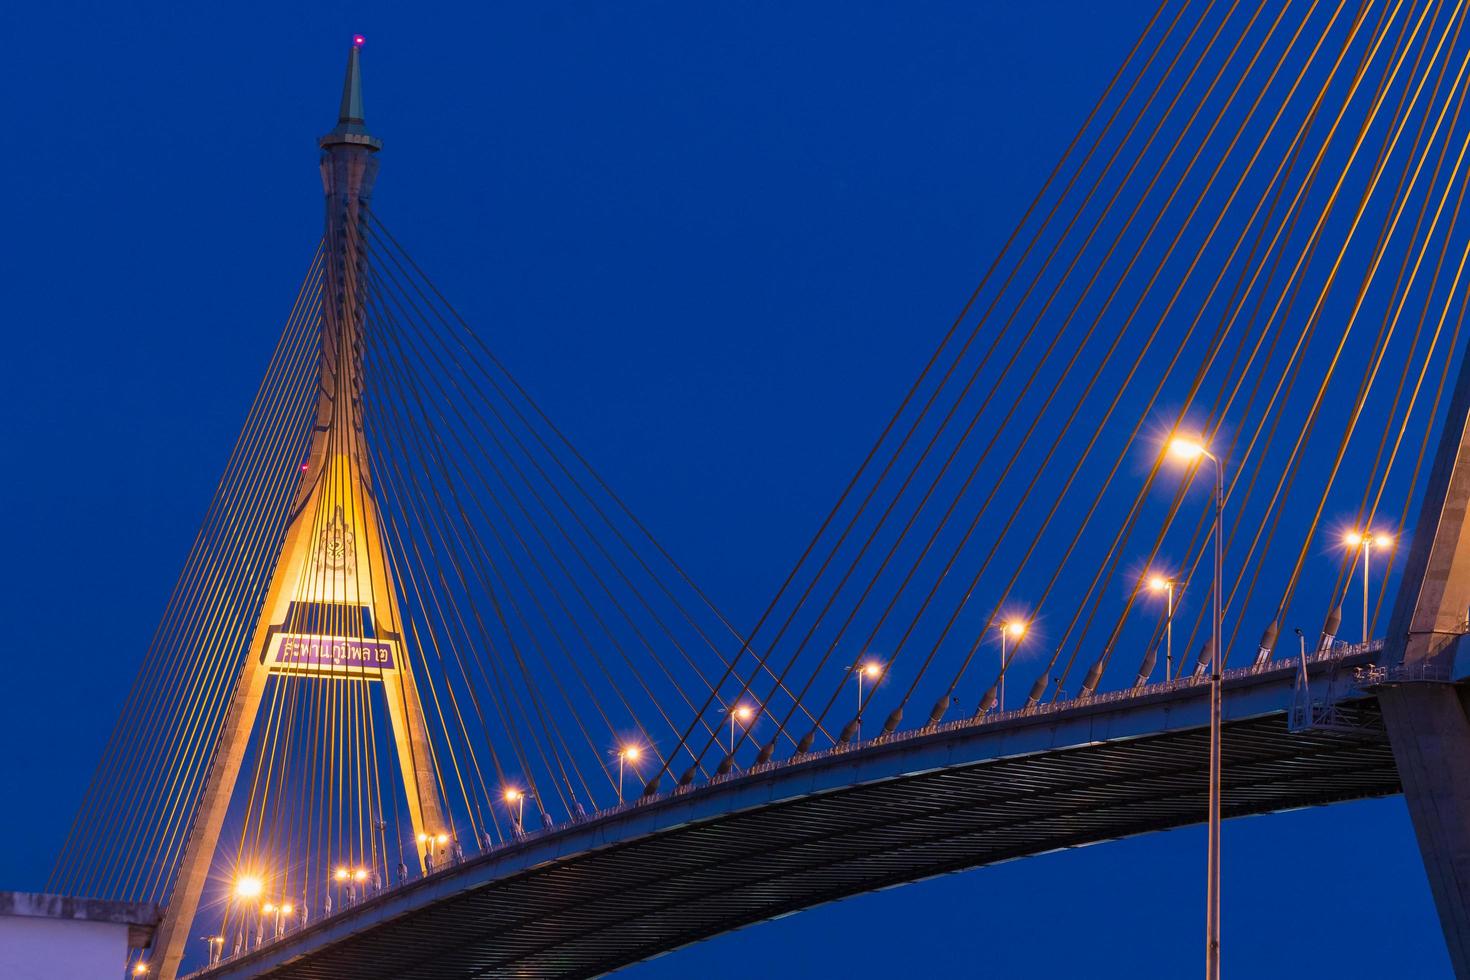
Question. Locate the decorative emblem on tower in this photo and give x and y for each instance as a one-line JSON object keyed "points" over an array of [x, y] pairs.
{"points": [[336, 550]]}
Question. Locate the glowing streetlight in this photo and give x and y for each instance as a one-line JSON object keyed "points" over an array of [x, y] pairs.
{"points": [[1192, 451], [517, 799], [628, 753], [1012, 629], [342, 875], [1159, 583], [140, 969], [743, 714], [247, 891], [1367, 540], [870, 670], [1187, 450]]}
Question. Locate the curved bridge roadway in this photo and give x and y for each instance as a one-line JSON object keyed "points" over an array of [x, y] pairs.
{"points": [[582, 899]]}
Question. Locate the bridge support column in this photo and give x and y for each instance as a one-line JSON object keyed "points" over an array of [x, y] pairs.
{"points": [[1430, 733], [1428, 727]]}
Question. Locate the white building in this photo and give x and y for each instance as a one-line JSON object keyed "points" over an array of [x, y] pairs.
{"points": [[48, 937]]}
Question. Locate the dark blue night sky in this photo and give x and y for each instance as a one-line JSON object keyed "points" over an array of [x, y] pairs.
{"points": [[716, 241]]}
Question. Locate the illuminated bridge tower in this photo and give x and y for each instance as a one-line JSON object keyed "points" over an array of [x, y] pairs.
{"points": [[1426, 715], [331, 611]]}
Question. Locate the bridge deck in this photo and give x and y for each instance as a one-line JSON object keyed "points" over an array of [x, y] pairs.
{"points": [[585, 899]]}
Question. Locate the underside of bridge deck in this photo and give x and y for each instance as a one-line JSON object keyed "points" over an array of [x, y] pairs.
{"points": [[590, 913]]}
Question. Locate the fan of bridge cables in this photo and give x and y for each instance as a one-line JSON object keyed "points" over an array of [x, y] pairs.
{"points": [[557, 650], [1252, 250]]}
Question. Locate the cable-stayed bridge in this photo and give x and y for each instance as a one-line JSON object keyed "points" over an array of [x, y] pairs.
{"points": [[429, 699]]}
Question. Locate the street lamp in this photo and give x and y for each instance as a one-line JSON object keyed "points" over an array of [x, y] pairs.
{"points": [[872, 670], [1159, 583], [1301, 639], [248, 888], [517, 799], [743, 714], [629, 753], [1367, 540], [1192, 451], [1011, 629]]}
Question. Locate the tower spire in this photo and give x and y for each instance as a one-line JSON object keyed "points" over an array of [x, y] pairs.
{"points": [[351, 126]]}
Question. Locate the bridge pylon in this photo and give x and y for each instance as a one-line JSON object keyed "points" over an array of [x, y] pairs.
{"points": [[331, 611], [1426, 715]]}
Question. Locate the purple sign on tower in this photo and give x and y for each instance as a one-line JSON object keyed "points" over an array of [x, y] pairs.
{"points": [[330, 654]]}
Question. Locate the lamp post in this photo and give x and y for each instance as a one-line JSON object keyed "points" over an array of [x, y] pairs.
{"points": [[1014, 629], [1301, 640], [1190, 450], [517, 799], [870, 669], [629, 753], [741, 713], [1366, 540], [381, 859], [247, 890], [1159, 583]]}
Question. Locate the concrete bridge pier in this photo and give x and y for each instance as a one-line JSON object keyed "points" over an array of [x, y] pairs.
{"points": [[1429, 731], [1425, 714]]}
